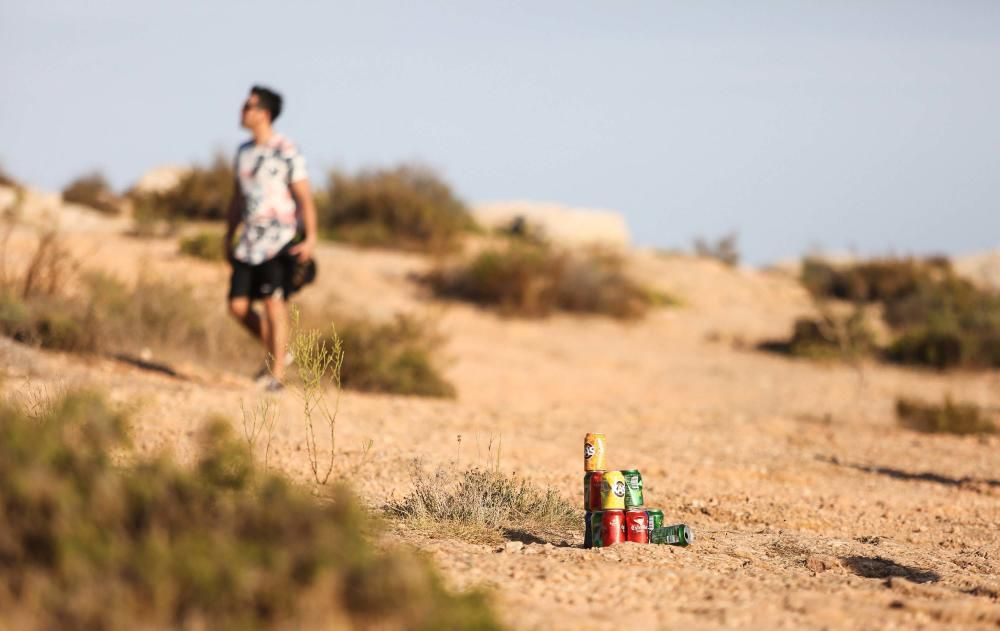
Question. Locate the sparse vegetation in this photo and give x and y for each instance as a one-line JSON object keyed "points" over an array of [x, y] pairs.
{"points": [[318, 362], [202, 193], [396, 357], [88, 544], [534, 280], [260, 418], [94, 191], [407, 207], [725, 249], [950, 417], [484, 505], [109, 317], [831, 337], [878, 280], [939, 320], [204, 244]]}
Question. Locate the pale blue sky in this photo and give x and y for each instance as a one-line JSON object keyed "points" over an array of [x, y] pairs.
{"points": [[846, 124]]}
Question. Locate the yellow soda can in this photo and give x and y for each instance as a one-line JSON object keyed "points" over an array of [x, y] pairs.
{"points": [[594, 457], [613, 491]]}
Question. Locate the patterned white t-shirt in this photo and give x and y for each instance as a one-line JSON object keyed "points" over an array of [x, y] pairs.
{"points": [[265, 173]]}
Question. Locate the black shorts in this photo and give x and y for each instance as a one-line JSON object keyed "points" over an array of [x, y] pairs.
{"points": [[270, 278]]}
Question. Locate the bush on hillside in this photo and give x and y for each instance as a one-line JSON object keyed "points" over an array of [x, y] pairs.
{"points": [[939, 319], [878, 280], [94, 191], [949, 417], [725, 249], [408, 207], [827, 337], [202, 193], [109, 317], [532, 280], [205, 244], [397, 357], [86, 543]]}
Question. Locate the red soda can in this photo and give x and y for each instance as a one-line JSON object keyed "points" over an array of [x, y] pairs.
{"points": [[592, 490], [612, 527], [637, 526]]}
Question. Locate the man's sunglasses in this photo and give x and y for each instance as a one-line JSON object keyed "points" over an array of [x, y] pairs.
{"points": [[250, 106]]}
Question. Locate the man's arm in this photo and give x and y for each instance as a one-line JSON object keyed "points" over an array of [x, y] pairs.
{"points": [[304, 200], [233, 217]]}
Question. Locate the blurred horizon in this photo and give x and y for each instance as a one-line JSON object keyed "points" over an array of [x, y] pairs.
{"points": [[862, 126]]}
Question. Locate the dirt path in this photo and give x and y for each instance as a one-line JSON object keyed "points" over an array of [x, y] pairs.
{"points": [[810, 506]]}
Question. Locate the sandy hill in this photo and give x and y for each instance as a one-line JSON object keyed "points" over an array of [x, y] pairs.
{"points": [[811, 506]]}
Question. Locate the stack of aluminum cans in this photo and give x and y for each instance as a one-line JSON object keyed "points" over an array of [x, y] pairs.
{"points": [[616, 510]]}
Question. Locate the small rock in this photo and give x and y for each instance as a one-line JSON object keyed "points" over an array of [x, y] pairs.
{"points": [[513, 546], [821, 563]]}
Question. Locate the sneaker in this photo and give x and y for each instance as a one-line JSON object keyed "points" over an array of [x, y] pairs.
{"points": [[273, 385], [264, 372]]}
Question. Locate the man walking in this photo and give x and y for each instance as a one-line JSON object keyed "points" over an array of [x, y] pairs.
{"points": [[271, 195]]}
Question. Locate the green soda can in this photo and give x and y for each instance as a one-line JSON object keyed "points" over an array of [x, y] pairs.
{"points": [[674, 535], [633, 488], [654, 519], [596, 534], [588, 534]]}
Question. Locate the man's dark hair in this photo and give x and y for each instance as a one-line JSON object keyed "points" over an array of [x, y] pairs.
{"points": [[268, 99]]}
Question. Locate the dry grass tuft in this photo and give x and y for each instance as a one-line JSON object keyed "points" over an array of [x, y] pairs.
{"points": [[484, 506]]}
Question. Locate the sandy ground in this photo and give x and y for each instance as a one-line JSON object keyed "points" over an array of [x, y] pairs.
{"points": [[810, 506]]}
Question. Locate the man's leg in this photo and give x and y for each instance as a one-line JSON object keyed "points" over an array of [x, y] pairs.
{"points": [[277, 322], [258, 327]]}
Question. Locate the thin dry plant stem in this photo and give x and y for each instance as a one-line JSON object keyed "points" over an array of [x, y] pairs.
{"points": [[315, 359], [269, 424], [260, 418]]}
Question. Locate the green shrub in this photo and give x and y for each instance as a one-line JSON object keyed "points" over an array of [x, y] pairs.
{"points": [[830, 337], [203, 193], [950, 418], [878, 280], [94, 191], [396, 357], [109, 317], [533, 280], [206, 244], [88, 544], [408, 207], [940, 320], [47, 321], [484, 505]]}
